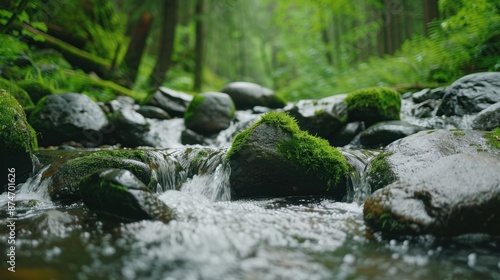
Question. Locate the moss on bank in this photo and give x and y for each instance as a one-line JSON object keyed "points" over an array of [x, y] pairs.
{"points": [[309, 152], [379, 173], [20, 94], [493, 138]]}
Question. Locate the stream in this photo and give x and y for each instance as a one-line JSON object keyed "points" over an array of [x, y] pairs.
{"points": [[215, 238]]}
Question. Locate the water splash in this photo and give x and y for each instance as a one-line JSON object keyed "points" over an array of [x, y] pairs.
{"points": [[357, 190]]}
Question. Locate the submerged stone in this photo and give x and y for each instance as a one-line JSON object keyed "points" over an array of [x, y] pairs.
{"points": [[455, 195], [372, 105], [121, 194], [275, 158]]}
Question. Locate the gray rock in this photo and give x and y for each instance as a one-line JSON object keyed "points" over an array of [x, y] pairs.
{"points": [[384, 133], [129, 127], [247, 95], [69, 116], [471, 94], [455, 195], [209, 113], [403, 158], [428, 94], [425, 109], [173, 102], [322, 117], [488, 118], [118, 193], [346, 134], [153, 112]]}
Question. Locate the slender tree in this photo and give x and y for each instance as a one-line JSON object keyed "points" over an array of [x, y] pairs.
{"points": [[199, 48], [166, 46]]}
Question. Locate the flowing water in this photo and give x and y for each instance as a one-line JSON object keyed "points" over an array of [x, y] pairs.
{"points": [[215, 238]]}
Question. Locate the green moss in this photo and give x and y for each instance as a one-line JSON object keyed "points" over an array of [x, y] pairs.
{"points": [[493, 138], [372, 105], [14, 129], [36, 89], [193, 106], [309, 152], [457, 132], [20, 94], [430, 131], [379, 173]]}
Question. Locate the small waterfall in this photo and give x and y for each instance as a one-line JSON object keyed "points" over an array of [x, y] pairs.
{"points": [[214, 186], [357, 190], [166, 170]]}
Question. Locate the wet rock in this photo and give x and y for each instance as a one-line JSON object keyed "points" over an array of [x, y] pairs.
{"points": [[488, 118], [425, 109], [17, 141], [372, 105], [189, 137], [247, 95], [275, 158], [322, 117], [153, 112], [455, 195], [346, 134], [69, 116], [209, 113], [471, 94], [173, 102], [384, 133], [67, 172], [122, 103], [428, 94], [119, 193], [129, 127], [405, 157]]}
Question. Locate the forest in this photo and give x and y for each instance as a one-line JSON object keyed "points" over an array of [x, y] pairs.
{"points": [[299, 48]]}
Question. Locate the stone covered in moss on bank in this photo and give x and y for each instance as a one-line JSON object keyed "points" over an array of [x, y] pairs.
{"points": [[275, 158], [119, 193], [493, 138], [373, 105], [20, 94], [67, 174], [16, 142]]}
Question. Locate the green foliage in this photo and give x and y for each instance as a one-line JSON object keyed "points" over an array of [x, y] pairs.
{"points": [[36, 89], [20, 94], [493, 138]]}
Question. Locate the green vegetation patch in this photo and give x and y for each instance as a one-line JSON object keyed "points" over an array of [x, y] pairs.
{"points": [[380, 174], [20, 94], [36, 89], [373, 104], [493, 138], [310, 152], [193, 106]]}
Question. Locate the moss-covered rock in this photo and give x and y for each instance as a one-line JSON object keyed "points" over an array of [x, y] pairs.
{"points": [[373, 105], [121, 194], [67, 173], [20, 94], [16, 142], [36, 89], [455, 195], [275, 158], [379, 173]]}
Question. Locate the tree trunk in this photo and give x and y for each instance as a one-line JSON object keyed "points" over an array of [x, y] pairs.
{"points": [[132, 59], [166, 46], [431, 12], [199, 48]]}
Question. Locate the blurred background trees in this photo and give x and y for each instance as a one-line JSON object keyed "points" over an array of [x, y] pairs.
{"points": [[301, 48]]}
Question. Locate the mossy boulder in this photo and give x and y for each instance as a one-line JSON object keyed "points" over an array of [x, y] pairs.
{"points": [[403, 158], [275, 158], [20, 94], [16, 139], [248, 95], [455, 195], [373, 105], [35, 89], [119, 193], [67, 173], [209, 113]]}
